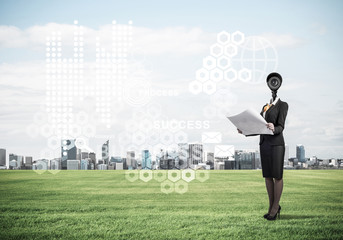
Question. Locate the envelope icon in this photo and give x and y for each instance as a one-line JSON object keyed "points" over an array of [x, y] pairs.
{"points": [[211, 137], [225, 151]]}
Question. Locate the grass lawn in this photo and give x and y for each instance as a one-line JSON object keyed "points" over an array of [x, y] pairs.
{"points": [[230, 205]]}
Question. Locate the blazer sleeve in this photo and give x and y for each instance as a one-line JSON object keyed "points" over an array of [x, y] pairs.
{"points": [[280, 124]]}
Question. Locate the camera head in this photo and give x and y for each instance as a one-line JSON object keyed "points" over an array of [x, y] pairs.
{"points": [[274, 81]]}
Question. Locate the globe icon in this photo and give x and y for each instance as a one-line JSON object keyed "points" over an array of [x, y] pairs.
{"points": [[259, 56]]}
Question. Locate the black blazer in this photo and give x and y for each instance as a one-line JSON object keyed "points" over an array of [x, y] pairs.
{"points": [[276, 114]]}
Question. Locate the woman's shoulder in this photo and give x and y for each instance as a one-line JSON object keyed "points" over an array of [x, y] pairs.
{"points": [[283, 104]]}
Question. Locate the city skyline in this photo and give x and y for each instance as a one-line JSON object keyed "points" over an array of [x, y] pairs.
{"points": [[168, 54], [146, 156]]}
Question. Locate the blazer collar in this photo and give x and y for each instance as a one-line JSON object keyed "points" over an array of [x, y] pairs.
{"points": [[277, 101]]}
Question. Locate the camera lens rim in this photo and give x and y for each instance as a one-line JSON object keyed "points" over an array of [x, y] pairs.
{"points": [[274, 81]]}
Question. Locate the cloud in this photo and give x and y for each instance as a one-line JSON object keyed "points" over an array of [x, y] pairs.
{"points": [[283, 40], [172, 40], [319, 28]]}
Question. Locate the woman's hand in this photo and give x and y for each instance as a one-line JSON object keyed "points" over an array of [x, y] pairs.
{"points": [[270, 126], [239, 131]]}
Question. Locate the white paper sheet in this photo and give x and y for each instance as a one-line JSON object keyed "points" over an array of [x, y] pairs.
{"points": [[250, 122]]}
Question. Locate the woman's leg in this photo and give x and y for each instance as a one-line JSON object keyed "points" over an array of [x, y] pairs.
{"points": [[278, 187], [270, 189]]}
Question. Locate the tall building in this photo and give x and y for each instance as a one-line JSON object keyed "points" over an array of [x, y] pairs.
{"points": [[92, 157], [84, 155], [2, 157], [285, 161], [130, 159], [55, 164], [105, 152], [300, 153], [183, 156], [84, 164], [169, 160], [146, 159], [28, 162], [195, 154], [209, 159], [247, 159], [19, 160], [68, 152]]}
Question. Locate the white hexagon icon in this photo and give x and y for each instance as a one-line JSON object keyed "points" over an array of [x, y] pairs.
{"points": [[54, 167], [146, 125], [237, 37], [188, 175], [202, 75], [167, 137], [89, 130], [195, 87], [181, 187], [138, 138], [180, 136], [41, 167], [75, 130], [216, 50], [244, 75], [223, 37], [160, 176], [54, 142], [154, 110], [174, 175], [131, 175], [209, 62], [202, 175], [209, 87], [231, 50], [167, 187], [131, 125], [216, 75], [145, 175], [223, 62], [46, 130], [230, 75]]}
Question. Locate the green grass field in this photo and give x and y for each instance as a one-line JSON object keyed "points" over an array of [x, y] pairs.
{"points": [[230, 205]]}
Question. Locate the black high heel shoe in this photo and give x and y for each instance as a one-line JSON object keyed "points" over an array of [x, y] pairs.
{"points": [[267, 214], [277, 215]]}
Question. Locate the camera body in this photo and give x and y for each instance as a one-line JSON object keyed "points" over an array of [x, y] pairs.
{"points": [[274, 81]]}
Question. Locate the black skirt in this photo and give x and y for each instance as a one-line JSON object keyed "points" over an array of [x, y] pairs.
{"points": [[272, 159]]}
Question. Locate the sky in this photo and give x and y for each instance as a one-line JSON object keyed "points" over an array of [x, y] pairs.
{"points": [[170, 40]]}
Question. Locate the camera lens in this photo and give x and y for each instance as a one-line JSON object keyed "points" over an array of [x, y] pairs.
{"points": [[274, 81]]}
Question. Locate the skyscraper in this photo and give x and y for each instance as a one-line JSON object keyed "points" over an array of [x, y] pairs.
{"points": [[183, 153], [146, 159], [105, 152], [300, 153], [28, 162], [130, 158], [68, 152], [92, 157], [2, 157], [195, 154]]}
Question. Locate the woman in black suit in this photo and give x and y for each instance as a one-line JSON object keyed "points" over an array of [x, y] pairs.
{"points": [[272, 147]]}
